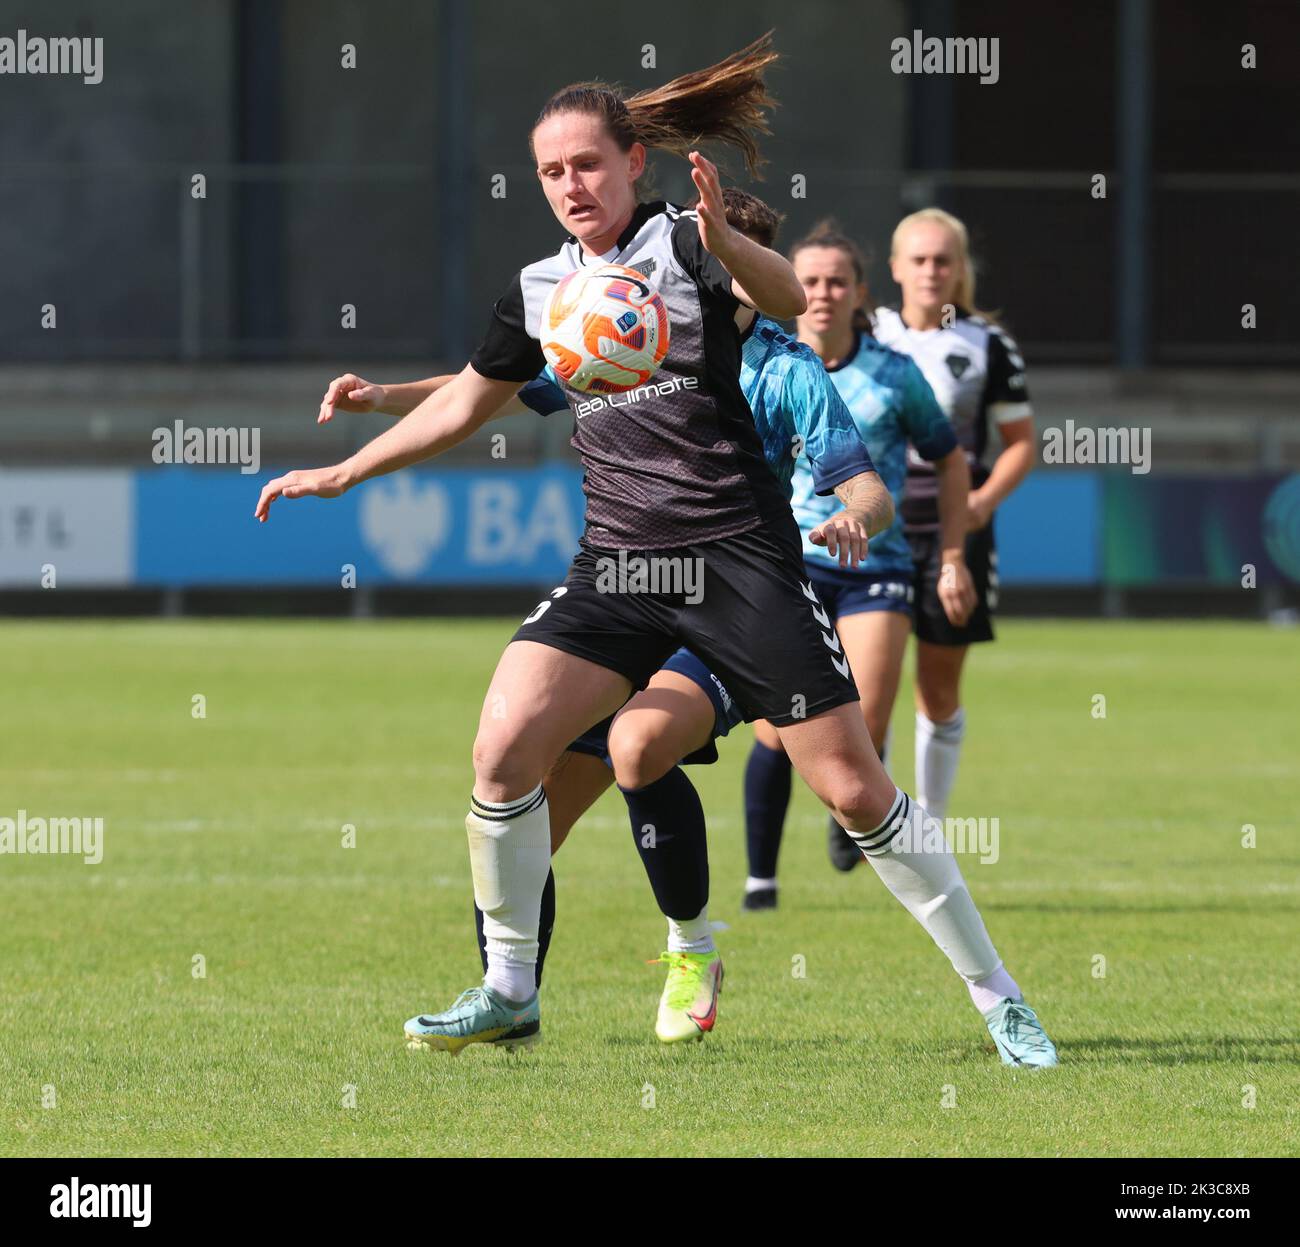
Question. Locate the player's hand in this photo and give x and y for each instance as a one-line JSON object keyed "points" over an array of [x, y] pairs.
{"points": [[956, 591], [715, 234], [308, 483], [978, 511], [349, 393], [844, 536]]}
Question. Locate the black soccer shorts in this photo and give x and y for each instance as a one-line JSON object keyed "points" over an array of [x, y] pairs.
{"points": [[930, 623], [743, 604]]}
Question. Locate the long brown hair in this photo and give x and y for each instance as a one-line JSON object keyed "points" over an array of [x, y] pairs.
{"points": [[728, 101], [827, 233]]}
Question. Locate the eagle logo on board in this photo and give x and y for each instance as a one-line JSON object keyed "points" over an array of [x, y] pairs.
{"points": [[957, 364]]}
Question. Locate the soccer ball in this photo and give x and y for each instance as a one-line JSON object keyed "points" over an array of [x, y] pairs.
{"points": [[604, 329]]}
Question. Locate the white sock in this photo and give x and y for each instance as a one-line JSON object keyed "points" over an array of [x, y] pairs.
{"points": [[758, 885], [912, 856], [693, 935], [938, 750], [510, 854], [993, 989]]}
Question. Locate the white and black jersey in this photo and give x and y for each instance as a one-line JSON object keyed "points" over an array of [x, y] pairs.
{"points": [[676, 461], [978, 376]]}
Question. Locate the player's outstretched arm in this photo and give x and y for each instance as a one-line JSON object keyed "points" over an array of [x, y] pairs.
{"points": [[760, 277], [352, 393], [441, 421]]}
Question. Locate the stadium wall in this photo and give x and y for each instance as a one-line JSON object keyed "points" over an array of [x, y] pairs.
{"points": [[488, 539]]}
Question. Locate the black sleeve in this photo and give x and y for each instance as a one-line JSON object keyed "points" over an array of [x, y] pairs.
{"points": [[713, 280], [508, 353], [1006, 371]]}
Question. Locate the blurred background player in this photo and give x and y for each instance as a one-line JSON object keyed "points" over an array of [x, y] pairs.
{"points": [[871, 604], [977, 375]]}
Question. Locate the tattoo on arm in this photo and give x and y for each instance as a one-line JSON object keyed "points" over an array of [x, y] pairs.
{"points": [[866, 498]]}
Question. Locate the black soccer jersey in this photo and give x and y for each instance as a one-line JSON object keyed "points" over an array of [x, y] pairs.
{"points": [[976, 373], [678, 460]]}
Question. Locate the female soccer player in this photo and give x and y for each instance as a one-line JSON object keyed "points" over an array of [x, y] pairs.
{"points": [[872, 604], [679, 474], [977, 374], [799, 415]]}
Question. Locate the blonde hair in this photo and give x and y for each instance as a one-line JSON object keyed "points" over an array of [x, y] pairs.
{"points": [[964, 294]]}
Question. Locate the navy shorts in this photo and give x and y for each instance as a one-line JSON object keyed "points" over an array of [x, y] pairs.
{"points": [[726, 714], [846, 592]]}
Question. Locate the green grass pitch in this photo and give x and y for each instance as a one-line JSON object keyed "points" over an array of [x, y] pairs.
{"points": [[1120, 838]]}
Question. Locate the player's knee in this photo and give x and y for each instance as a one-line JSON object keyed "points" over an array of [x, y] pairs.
{"points": [[860, 802], [639, 756], [503, 769], [939, 703], [937, 692]]}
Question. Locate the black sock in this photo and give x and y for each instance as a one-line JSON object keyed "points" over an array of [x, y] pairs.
{"points": [[767, 797], [545, 926], [668, 827]]}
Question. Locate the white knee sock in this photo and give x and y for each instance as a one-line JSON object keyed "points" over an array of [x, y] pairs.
{"points": [[693, 935], [912, 856], [938, 750], [510, 854]]}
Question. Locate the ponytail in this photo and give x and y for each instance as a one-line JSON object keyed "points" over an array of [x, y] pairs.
{"points": [[728, 101]]}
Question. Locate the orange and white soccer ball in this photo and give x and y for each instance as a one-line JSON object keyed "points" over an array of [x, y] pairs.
{"points": [[604, 329]]}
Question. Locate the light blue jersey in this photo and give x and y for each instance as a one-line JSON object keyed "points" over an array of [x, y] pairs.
{"points": [[892, 404], [798, 412]]}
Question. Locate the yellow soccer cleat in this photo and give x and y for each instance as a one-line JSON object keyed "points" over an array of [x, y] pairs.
{"points": [[689, 1006]]}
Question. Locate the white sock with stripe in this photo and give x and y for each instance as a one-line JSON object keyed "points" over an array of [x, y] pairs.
{"points": [[919, 868], [510, 855]]}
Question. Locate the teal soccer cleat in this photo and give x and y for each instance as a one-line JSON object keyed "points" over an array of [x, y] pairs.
{"points": [[479, 1015], [1019, 1035]]}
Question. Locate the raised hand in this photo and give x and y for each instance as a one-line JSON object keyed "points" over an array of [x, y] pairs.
{"points": [[715, 233]]}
